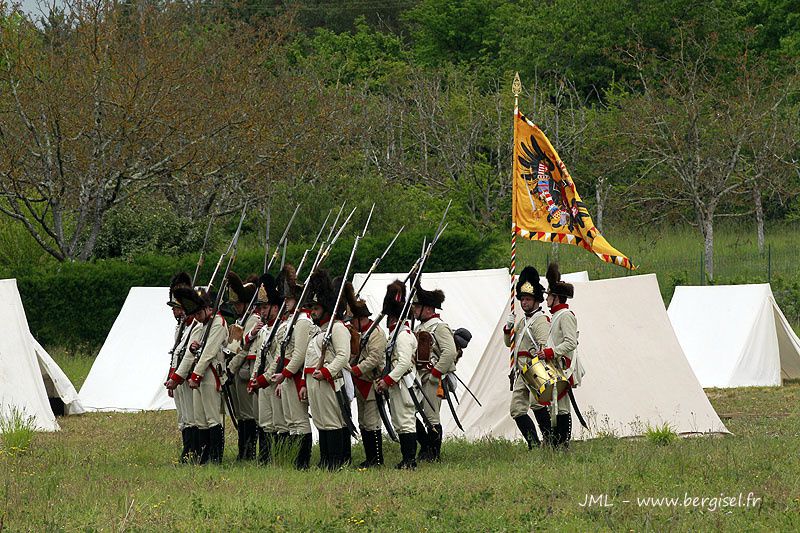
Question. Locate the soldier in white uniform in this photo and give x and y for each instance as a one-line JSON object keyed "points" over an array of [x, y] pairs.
{"points": [[182, 395], [436, 356], [323, 369], [561, 345], [268, 303], [366, 366], [402, 364], [203, 370], [530, 336], [289, 377], [240, 363]]}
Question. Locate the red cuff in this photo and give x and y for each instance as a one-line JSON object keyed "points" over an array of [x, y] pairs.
{"points": [[435, 373], [327, 374], [176, 378], [262, 381], [251, 357], [548, 354], [171, 370], [302, 383], [286, 373], [388, 380], [248, 339], [195, 377], [356, 371]]}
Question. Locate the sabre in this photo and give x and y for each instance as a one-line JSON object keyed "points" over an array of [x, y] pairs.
{"points": [[466, 388], [202, 258], [378, 262]]}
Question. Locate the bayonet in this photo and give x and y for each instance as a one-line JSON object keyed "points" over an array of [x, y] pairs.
{"points": [[202, 258], [378, 262]]}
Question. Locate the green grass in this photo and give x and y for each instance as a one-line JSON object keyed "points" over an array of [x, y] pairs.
{"points": [[117, 471], [75, 364], [17, 429]]}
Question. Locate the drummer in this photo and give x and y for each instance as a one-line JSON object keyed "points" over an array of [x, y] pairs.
{"points": [[530, 335], [560, 349]]}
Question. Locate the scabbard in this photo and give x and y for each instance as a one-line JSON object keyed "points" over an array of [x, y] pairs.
{"points": [[575, 407], [382, 404], [452, 408], [341, 398]]}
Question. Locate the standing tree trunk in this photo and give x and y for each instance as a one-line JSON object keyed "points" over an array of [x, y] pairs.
{"points": [[759, 209]]}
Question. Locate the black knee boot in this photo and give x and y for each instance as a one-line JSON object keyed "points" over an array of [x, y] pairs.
{"points": [[424, 442], [303, 458], [528, 430], [373, 448], [563, 430], [543, 419], [204, 445], [264, 446], [186, 437], [195, 445], [324, 449], [241, 438], [345, 448], [252, 440], [436, 443], [217, 444], [408, 448]]}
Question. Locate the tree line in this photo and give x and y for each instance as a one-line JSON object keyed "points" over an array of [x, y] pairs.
{"points": [[665, 112]]}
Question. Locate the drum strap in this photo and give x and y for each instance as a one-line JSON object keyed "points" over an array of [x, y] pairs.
{"points": [[526, 322]]}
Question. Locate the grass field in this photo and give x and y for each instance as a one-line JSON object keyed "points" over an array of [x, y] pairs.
{"points": [[118, 472]]}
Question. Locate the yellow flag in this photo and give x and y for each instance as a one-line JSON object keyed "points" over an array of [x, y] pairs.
{"points": [[546, 205]]}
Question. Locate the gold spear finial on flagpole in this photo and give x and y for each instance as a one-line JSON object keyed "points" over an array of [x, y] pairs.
{"points": [[516, 88]]}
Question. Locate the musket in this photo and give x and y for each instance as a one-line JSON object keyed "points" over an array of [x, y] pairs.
{"points": [[378, 262], [233, 243], [202, 258], [249, 310], [416, 267], [266, 239], [317, 263], [326, 340]]}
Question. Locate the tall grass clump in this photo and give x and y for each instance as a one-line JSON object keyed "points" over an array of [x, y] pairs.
{"points": [[662, 435], [16, 430]]}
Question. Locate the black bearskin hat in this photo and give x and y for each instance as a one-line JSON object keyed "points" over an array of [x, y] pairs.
{"points": [[530, 284], [238, 291], [268, 291], [321, 291], [358, 307], [395, 299], [555, 286], [181, 279], [433, 298], [287, 282], [192, 300]]}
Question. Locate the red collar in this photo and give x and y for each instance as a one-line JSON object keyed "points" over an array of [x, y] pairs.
{"points": [[270, 323], [393, 325], [367, 325], [187, 321], [558, 307]]}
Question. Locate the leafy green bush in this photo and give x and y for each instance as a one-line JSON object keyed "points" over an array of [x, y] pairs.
{"points": [[131, 231]]}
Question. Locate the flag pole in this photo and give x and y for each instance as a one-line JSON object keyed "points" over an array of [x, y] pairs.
{"points": [[516, 88]]}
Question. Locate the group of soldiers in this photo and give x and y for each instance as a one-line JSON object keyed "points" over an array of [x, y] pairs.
{"points": [[296, 355]]}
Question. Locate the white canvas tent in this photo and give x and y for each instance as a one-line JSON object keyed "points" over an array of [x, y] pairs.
{"points": [[25, 367], [735, 335], [636, 373], [130, 370]]}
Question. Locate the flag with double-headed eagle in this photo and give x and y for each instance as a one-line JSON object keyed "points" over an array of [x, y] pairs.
{"points": [[546, 205]]}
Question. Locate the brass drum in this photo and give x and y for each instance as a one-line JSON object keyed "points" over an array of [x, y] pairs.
{"points": [[541, 376]]}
